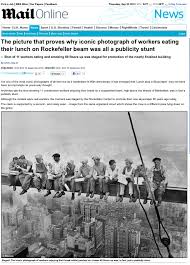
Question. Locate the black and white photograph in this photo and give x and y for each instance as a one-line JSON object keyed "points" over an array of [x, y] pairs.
{"points": [[94, 184]]}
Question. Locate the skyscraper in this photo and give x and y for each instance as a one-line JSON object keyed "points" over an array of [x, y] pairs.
{"points": [[122, 241], [110, 241], [9, 217], [66, 209], [19, 216], [89, 209], [98, 234], [134, 242], [57, 217], [57, 232], [87, 230]]}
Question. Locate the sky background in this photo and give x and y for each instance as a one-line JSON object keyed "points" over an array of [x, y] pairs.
{"points": [[77, 135]]}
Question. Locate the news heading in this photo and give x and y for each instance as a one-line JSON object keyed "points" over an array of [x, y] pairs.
{"points": [[32, 14], [164, 14]]}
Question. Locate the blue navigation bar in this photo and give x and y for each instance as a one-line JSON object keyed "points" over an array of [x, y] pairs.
{"points": [[34, 31]]}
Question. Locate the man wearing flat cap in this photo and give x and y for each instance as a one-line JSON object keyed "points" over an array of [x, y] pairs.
{"points": [[69, 177], [158, 179], [13, 172], [55, 177], [98, 173], [40, 173], [26, 173], [84, 171]]}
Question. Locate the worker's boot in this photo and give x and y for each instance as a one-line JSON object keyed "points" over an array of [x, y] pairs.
{"points": [[23, 191], [159, 200], [73, 196], [145, 201], [121, 198], [48, 193], [101, 195], [92, 195], [56, 194], [117, 198], [60, 194], [130, 198], [106, 196], [134, 199]]}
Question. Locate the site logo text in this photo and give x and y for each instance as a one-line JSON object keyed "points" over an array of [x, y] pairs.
{"points": [[32, 14]]}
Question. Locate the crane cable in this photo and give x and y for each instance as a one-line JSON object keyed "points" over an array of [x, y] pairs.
{"points": [[165, 240]]}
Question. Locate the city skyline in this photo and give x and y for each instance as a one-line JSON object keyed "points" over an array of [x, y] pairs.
{"points": [[47, 227]]}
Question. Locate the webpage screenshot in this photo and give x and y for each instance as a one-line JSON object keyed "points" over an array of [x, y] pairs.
{"points": [[94, 130]]}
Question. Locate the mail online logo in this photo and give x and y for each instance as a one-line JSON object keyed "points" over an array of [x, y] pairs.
{"points": [[165, 14], [32, 14]]}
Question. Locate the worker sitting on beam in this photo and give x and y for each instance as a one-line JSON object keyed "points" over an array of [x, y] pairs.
{"points": [[112, 173], [128, 173], [98, 173], [26, 173], [40, 173], [55, 177], [13, 172], [70, 176], [140, 176], [158, 179], [85, 173]]}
